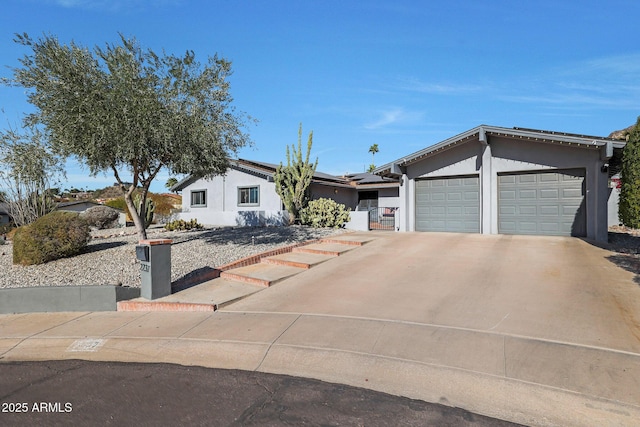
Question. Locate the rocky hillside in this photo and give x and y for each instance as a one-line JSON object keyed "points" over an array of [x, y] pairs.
{"points": [[621, 134]]}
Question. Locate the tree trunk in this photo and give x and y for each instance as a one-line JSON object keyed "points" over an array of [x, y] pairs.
{"points": [[135, 216]]}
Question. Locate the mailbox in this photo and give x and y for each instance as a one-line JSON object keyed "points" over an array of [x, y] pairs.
{"points": [[155, 267], [142, 253]]}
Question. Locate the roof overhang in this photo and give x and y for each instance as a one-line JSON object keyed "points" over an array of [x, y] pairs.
{"points": [[483, 133]]}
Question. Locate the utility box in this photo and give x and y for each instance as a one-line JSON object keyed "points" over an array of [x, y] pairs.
{"points": [[155, 267]]}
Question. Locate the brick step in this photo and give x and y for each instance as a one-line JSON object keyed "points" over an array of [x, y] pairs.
{"points": [[133, 305], [331, 249], [297, 259], [261, 274], [347, 240]]}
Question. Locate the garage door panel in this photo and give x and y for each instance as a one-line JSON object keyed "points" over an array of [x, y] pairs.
{"points": [[507, 179], [572, 193], [507, 210], [549, 210], [448, 204], [550, 177], [507, 195], [550, 193], [545, 202], [527, 210], [527, 194]]}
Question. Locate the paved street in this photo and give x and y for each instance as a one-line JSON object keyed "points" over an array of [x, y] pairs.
{"points": [[104, 393]]}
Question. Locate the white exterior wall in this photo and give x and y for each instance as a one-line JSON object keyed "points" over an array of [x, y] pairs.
{"points": [[222, 201], [502, 155], [342, 195]]}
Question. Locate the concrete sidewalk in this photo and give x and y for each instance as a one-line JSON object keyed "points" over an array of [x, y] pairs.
{"points": [[549, 341]]}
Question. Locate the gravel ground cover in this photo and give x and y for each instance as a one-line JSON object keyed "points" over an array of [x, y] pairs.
{"points": [[110, 256], [625, 244]]}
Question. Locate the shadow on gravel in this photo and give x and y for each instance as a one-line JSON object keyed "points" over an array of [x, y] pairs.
{"points": [[626, 250], [628, 262], [102, 246], [248, 235]]}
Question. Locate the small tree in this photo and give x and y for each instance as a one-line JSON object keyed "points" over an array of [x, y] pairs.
{"points": [[27, 171], [123, 108], [293, 180], [629, 206]]}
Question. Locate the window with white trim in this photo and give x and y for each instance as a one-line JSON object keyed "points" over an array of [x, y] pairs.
{"points": [[199, 198], [249, 196]]}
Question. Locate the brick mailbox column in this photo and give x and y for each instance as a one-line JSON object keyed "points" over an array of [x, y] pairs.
{"points": [[155, 267]]}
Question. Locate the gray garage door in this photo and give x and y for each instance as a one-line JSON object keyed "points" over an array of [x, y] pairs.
{"points": [[448, 204], [544, 203]]}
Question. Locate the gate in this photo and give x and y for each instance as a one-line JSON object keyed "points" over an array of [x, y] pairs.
{"points": [[382, 219]]}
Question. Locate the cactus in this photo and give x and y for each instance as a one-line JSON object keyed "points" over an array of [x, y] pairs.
{"points": [[293, 180], [149, 208]]}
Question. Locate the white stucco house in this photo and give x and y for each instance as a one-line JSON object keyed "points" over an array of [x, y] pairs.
{"points": [[246, 195], [495, 180]]}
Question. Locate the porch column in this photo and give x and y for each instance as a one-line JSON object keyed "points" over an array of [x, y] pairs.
{"points": [[486, 194]]}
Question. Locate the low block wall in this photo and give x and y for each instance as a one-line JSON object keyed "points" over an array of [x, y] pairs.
{"points": [[359, 221], [64, 298]]}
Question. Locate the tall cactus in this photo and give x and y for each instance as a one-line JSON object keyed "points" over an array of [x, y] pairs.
{"points": [[293, 180], [149, 209]]}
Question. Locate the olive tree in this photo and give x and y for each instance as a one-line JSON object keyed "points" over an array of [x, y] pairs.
{"points": [[28, 169], [122, 108]]}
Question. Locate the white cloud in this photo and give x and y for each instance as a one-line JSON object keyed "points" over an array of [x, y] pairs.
{"points": [[416, 85], [113, 5], [394, 116]]}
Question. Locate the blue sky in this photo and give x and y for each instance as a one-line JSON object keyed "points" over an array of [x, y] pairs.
{"points": [[401, 74]]}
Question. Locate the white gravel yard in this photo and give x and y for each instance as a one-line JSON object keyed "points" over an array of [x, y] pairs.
{"points": [[110, 257]]}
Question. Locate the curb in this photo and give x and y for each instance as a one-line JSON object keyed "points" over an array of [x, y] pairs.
{"points": [[164, 306]]}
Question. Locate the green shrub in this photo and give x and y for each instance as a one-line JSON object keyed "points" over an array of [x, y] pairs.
{"points": [[325, 213], [53, 236], [629, 206], [182, 225], [101, 217]]}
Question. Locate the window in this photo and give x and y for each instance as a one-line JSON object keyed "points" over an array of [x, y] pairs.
{"points": [[249, 196], [199, 198]]}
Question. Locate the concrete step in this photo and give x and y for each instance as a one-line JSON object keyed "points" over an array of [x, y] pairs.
{"points": [[357, 240], [297, 259], [332, 249], [261, 274]]}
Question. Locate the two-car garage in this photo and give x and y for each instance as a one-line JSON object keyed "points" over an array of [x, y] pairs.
{"points": [[496, 180], [532, 202]]}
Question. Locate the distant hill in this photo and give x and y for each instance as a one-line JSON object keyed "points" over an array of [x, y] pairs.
{"points": [[112, 192], [621, 134]]}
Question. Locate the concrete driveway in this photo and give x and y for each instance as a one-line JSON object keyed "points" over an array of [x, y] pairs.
{"points": [[552, 288], [535, 330], [500, 325]]}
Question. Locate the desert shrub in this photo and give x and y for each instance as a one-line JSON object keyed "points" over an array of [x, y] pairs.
{"points": [[182, 225], [163, 207], [6, 228], [101, 217], [325, 213], [53, 236]]}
